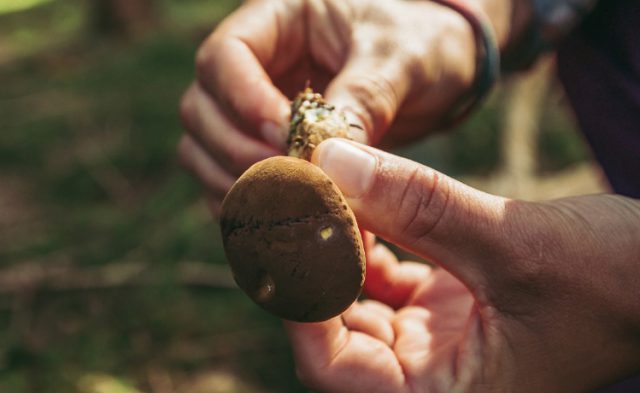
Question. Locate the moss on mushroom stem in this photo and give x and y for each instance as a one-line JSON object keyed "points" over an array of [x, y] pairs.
{"points": [[312, 121]]}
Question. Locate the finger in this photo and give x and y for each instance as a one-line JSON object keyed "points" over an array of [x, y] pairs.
{"points": [[445, 296], [214, 204], [370, 88], [426, 344], [195, 158], [231, 64], [389, 281], [368, 240], [414, 337], [462, 229], [381, 309], [330, 358], [372, 318], [420, 347], [234, 150]]}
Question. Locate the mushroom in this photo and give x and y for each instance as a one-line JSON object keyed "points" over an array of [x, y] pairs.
{"points": [[291, 240]]}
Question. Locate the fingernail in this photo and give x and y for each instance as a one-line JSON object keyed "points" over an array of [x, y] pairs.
{"points": [[274, 134], [275, 131], [351, 168]]}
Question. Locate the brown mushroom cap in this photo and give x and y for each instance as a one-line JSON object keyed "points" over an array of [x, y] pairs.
{"points": [[292, 241]]}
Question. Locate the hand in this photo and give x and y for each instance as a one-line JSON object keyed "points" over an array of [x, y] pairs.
{"points": [[375, 60], [529, 297]]}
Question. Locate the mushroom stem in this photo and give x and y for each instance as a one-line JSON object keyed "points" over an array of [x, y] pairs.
{"points": [[312, 121]]}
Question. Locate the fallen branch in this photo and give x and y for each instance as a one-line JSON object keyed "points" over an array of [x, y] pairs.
{"points": [[28, 277]]}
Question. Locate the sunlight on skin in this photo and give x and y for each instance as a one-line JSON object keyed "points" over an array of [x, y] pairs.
{"points": [[426, 335], [476, 323], [7, 6]]}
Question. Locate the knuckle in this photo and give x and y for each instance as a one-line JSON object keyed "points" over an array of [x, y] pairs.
{"points": [[212, 69], [378, 98], [422, 204], [204, 60], [208, 55]]}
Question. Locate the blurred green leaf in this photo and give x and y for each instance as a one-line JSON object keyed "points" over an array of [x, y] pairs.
{"points": [[102, 383], [7, 6]]}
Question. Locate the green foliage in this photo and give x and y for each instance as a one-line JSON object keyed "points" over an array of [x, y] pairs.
{"points": [[471, 148], [8, 6], [89, 134], [559, 148]]}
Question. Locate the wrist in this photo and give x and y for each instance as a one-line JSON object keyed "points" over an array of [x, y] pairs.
{"points": [[479, 39], [454, 60], [509, 19]]}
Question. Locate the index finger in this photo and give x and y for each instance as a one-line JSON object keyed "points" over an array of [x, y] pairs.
{"points": [[232, 64]]}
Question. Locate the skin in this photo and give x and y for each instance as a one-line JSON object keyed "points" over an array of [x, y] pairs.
{"points": [[527, 297], [373, 60]]}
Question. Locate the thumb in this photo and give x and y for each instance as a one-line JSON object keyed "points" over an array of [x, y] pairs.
{"points": [[369, 91], [419, 209]]}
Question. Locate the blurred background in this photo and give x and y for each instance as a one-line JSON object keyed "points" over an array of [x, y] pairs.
{"points": [[112, 276]]}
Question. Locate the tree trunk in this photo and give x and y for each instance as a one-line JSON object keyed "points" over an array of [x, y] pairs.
{"points": [[124, 18]]}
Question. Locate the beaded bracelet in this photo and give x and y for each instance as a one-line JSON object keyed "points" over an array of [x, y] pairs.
{"points": [[487, 63]]}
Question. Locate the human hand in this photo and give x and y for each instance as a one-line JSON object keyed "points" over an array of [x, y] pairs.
{"points": [[530, 297], [375, 60]]}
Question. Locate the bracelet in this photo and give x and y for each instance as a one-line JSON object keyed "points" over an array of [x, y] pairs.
{"points": [[487, 63]]}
